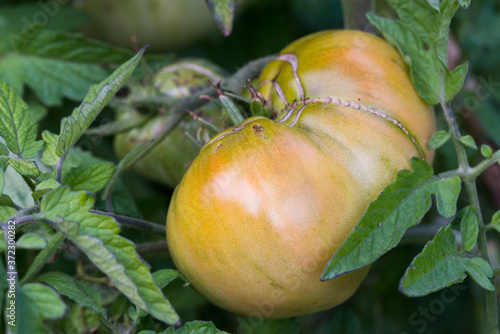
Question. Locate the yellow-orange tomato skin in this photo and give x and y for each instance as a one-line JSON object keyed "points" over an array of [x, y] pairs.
{"points": [[356, 67], [265, 205]]}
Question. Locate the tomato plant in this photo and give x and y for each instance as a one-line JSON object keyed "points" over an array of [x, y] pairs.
{"points": [[259, 212], [297, 187], [168, 162]]}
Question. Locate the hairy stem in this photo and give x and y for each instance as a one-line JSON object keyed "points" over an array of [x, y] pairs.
{"points": [[251, 70], [134, 222], [483, 165], [153, 247], [469, 180]]}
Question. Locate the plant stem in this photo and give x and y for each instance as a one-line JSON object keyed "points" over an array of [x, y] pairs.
{"points": [[251, 70], [483, 165], [469, 180], [153, 247], [134, 222]]}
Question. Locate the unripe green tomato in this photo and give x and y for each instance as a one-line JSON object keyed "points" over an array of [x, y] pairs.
{"points": [[265, 204], [162, 24], [167, 162]]}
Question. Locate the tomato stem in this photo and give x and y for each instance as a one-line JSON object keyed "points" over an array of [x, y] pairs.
{"points": [[469, 176], [136, 223]]}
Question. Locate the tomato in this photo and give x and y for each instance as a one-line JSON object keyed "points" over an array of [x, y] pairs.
{"points": [[265, 204], [168, 161], [163, 24]]}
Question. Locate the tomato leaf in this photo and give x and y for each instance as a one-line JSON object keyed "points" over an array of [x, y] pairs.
{"points": [[14, 25], [5, 200], [57, 64], [464, 3], [97, 236], [49, 156], [480, 271], [195, 327], [3, 149], [16, 126], [77, 290], [439, 139], [23, 167], [495, 222], [439, 265], [469, 228], [164, 276], [30, 319], [65, 46], [44, 187], [6, 212], [44, 256], [486, 151], [401, 205], [91, 178], [453, 81], [31, 241], [468, 141], [74, 126], [223, 14], [47, 302], [421, 34], [17, 188]]}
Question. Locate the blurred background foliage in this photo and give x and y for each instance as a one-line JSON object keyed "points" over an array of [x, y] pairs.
{"points": [[262, 28]]}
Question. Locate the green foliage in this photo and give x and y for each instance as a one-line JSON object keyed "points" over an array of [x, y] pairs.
{"points": [[422, 35], [486, 151], [400, 206], [91, 178], [23, 167], [223, 14], [31, 241], [195, 327], [469, 228], [16, 126], [74, 126], [439, 139], [81, 270], [97, 236], [79, 291], [441, 265], [47, 58], [468, 141], [38, 302]]}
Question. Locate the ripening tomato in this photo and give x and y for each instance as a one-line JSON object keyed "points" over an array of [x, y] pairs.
{"points": [[265, 204]]}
